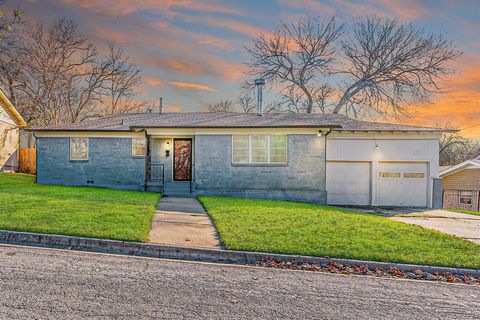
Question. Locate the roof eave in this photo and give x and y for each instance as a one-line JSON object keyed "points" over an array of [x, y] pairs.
{"points": [[236, 127], [67, 130], [458, 167], [12, 111]]}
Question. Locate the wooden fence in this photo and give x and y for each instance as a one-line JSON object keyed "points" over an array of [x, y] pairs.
{"points": [[27, 160], [461, 199]]}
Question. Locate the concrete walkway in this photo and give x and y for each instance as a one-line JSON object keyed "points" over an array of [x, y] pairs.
{"points": [[183, 222], [462, 225]]}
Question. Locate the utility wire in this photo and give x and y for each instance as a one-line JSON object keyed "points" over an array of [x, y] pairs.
{"points": [[475, 125]]}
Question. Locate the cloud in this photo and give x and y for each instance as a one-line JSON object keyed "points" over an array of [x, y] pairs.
{"points": [[459, 105], [173, 107], [152, 81], [310, 5], [406, 9], [192, 85], [233, 25], [119, 8], [201, 66]]}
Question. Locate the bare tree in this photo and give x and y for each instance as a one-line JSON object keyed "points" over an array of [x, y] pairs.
{"points": [[296, 55], [273, 107], [54, 76], [8, 21], [61, 74], [390, 62], [223, 105], [383, 65], [122, 83], [246, 103], [322, 98], [455, 149]]}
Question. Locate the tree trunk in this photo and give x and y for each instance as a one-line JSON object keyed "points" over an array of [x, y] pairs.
{"points": [[350, 92], [310, 99]]}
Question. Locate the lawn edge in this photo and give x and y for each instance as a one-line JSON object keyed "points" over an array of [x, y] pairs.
{"points": [[198, 254]]}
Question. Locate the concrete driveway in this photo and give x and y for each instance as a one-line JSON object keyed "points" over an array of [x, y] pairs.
{"points": [[462, 225]]}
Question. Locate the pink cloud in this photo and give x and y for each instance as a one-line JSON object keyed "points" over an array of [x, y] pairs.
{"points": [[192, 85], [118, 8]]}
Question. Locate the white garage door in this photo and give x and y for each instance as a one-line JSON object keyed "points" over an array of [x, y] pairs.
{"points": [[402, 184], [348, 183]]}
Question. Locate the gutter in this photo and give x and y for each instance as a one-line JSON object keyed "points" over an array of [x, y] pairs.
{"points": [[36, 156], [326, 136]]}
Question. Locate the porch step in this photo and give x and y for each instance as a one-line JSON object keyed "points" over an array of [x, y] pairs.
{"points": [[177, 189]]}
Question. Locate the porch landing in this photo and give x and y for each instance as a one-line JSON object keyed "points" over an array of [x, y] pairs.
{"points": [[183, 222]]}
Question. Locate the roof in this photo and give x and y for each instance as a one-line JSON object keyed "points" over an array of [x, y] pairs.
{"points": [[10, 109], [132, 121], [469, 164]]}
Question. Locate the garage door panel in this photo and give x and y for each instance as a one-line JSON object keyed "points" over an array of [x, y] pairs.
{"points": [[402, 184], [348, 183]]}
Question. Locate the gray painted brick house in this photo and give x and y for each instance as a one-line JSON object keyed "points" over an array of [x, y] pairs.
{"points": [[275, 156]]}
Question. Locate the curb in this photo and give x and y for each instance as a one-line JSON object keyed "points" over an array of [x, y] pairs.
{"points": [[197, 254]]}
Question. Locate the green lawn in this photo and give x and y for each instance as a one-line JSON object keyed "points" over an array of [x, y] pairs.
{"points": [[77, 211], [476, 213], [308, 229]]}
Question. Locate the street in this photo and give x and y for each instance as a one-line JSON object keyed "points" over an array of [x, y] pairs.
{"points": [[56, 284]]}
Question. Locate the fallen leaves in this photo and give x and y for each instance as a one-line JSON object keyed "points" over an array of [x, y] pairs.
{"points": [[392, 272]]}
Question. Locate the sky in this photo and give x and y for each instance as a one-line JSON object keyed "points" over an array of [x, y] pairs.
{"points": [[191, 52]]}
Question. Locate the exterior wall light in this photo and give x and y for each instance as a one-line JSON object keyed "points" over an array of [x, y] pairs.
{"points": [[319, 133], [377, 147]]}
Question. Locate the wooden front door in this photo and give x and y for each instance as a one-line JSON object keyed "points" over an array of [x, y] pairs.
{"points": [[182, 159]]}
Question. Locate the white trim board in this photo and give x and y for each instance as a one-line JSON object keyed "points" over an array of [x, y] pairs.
{"points": [[87, 134]]}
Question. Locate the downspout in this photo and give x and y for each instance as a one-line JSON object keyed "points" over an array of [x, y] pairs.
{"points": [[36, 155], [326, 135], [147, 154]]}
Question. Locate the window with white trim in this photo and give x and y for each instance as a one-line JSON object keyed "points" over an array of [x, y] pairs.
{"points": [[259, 149], [138, 147], [78, 148], [465, 197]]}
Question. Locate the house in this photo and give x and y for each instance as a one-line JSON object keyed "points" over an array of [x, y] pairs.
{"points": [[461, 184], [10, 123], [305, 157]]}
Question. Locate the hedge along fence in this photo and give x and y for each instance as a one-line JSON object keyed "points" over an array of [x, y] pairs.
{"points": [[27, 160]]}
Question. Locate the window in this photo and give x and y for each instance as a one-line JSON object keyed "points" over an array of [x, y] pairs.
{"points": [[78, 148], [259, 148], [241, 149], [138, 147], [389, 174], [465, 197], [278, 148], [410, 175]]}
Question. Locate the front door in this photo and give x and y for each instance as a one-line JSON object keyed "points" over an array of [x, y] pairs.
{"points": [[182, 159]]}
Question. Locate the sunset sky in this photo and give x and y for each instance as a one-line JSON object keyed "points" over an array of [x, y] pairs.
{"points": [[191, 52]]}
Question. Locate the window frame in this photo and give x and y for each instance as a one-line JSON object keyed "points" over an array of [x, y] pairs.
{"points": [[389, 175], [70, 148], [468, 196], [145, 148], [269, 146]]}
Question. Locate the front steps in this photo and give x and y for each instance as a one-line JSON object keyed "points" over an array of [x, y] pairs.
{"points": [[177, 189]]}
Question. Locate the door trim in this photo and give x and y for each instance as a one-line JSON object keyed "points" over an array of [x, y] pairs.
{"points": [[173, 159]]}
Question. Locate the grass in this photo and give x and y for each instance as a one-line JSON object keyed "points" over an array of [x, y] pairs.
{"points": [[309, 229], [75, 211], [475, 213]]}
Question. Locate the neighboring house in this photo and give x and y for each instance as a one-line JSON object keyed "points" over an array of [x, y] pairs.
{"points": [[461, 185], [10, 123], [306, 157]]}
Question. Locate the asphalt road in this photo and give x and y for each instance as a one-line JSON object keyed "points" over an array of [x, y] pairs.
{"points": [[55, 284]]}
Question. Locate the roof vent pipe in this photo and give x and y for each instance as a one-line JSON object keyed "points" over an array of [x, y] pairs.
{"points": [[160, 109], [260, 83]]}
